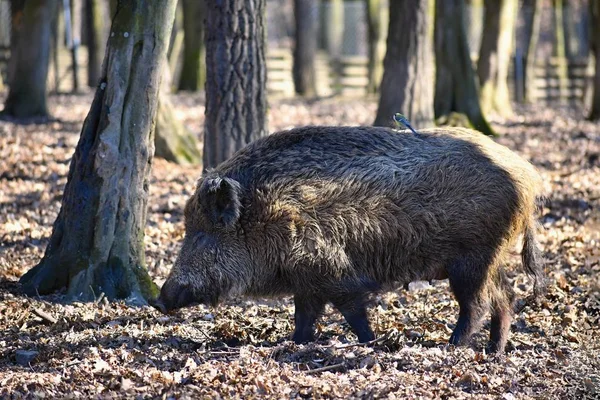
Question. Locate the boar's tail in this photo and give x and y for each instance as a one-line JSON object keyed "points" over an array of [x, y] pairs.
{"points": [[533, 261]]}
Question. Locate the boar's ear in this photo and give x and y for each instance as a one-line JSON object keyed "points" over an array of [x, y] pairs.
{"points": [[220, 199]]}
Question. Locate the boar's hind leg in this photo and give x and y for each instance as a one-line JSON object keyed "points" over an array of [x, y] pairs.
{"points": [[353, 308], [502, 297], [308, 307], [467, 280]]}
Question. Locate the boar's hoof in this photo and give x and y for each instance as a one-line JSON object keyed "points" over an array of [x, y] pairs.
{"points": [[301, 337], [156, 303]]}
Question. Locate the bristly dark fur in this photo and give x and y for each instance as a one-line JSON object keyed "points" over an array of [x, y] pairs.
{"points": [[332, 214]]}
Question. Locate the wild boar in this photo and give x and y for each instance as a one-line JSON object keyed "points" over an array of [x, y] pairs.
{"points": [[335, 214]]}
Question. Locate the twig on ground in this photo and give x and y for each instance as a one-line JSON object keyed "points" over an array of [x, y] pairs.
{"points": [[326, 368], [45, 316], [347, 346]]}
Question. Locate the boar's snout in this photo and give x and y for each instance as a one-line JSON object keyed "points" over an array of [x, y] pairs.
{"points": [[173, 296]]}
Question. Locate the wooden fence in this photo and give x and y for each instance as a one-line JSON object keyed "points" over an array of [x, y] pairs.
{"points": [[348, 76]]}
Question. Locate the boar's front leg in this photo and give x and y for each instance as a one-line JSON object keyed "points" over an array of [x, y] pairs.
{"points": [[352, 306], [308, 307]]}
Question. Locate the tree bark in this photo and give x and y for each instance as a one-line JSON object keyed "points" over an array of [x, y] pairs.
{"points": [[30, 55], [408, 67], [235, 77], [193, 70], [96, 39], [456, 86], [305, 47], [173, 141], [97, 243], [377, 22], [495, 55], [594, 6]]}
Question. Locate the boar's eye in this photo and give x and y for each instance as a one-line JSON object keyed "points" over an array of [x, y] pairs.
{"points": [[220, 200]]}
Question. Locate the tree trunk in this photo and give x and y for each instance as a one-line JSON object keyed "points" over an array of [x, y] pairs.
{"points": [[76, 6], [408, 67], [97, 243], [96, 39], [560, 49], [594, 6], [455, 86], [193, 71], [173, 141], [305, 47], [531, 9], [235, 77], [332, 23], [30, 55], [495, 55], [377, 22]]}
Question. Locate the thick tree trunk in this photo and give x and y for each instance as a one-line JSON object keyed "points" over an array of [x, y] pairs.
{"points": [[236, 100], [407, 81], [97, 243], [455, 86], [173, 141], [193, 70], [96, 39], [594, 6], [30, 54], [531, 8], [495, 55], [305, 47], [377, 22]]}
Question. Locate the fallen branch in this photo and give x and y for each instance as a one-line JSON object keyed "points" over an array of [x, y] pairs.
{"points": [[45, 316], [346, 346], [326, 368]]}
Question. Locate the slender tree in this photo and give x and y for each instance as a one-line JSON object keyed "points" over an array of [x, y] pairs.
{"points": [[560, 49], [332, 27], [594, 6], [235, 77], [495, 55], [97, 34], [532, 12], [305, 47], [97, 242], [193, 70], [408, 67], [455, 83], [377, 21], [30, 54]]}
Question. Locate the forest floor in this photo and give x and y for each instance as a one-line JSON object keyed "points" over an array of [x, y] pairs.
{"points": [[241, 349]]}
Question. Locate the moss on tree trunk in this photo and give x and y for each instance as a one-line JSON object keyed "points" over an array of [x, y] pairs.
{"points": [[97, 243], [455, 83], [235, 78], [30, 55], [408, 67], [193, 71], [172, 140], [377, 22], [495, 55], [96, 39]]}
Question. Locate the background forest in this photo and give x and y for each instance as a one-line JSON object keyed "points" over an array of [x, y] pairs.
{"points": [[112, 109]]}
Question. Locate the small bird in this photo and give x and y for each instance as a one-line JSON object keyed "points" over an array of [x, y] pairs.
{"points": [[402, 122]]}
